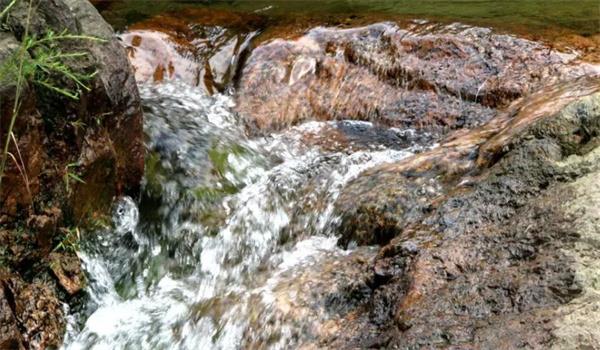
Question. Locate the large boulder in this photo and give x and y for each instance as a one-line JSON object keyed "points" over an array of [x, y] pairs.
{"points": [[496, 261], [424, 77], [101, 132], [97, 138], [383, 200]]}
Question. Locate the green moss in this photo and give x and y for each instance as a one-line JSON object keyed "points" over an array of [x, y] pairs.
{"points": [[209, 194], [219, 158], [154, 173]]}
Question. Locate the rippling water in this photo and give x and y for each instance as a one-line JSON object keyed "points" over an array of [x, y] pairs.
{"points": [[212, 254], [533, 16]]}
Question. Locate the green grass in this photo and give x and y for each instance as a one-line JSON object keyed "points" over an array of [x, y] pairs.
{"points": [[71, 176], [69, 241]]}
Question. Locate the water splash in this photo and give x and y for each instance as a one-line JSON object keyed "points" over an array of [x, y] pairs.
{"points": [[223, 221]]}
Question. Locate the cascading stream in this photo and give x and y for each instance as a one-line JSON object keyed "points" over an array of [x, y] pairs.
{"points": [[225, 225]]}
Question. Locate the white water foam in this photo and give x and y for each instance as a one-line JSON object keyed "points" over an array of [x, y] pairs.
{"points": [[143, 297]]}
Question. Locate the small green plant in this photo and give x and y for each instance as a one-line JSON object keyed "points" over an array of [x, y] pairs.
{"points": [[97, 223], [69, 241], [40, 60], [100, 117], [7, 9], [70, 175], [77, 124], [48, 64]]}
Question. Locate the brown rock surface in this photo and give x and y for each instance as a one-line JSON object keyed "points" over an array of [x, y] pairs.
{"points": [[67, 269], [10, 336], [110, 112], [495, 259], [98, 138], [198, 46], [34, 316], [434, 79]]}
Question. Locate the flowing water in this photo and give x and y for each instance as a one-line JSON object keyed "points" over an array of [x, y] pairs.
{"points": [[513, 15], [233, 239], [211, 256]]}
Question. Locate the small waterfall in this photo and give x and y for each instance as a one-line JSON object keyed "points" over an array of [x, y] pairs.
{"points": [[225, 227]]}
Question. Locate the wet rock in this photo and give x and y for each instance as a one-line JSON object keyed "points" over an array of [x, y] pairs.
{"points": [[155, 58], [375, 208], [202, 48], [437, 80], [111, 107], [45, 227], [318, 296], [41, 315], [389, 197], [17, 190], [10, 337], [36, 313], [97, 138], [499, 263], [67, 269], [349, 136]]}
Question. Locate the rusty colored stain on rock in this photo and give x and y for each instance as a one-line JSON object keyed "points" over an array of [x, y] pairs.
{"points": [[136, 40], [159, 73]]}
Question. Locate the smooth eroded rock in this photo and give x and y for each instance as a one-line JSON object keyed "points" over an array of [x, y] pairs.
{"points": [[425, 77], [200, 47]]}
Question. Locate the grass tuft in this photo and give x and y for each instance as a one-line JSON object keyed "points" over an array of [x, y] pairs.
{"points": [[41, 61]]}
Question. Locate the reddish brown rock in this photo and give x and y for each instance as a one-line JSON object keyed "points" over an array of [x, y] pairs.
{"points": [[487, 262], [435, 80], [199, 47], [110, 112], [44, 227], [67, 269], [34, 310], [10, 336], [97, 138]]}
